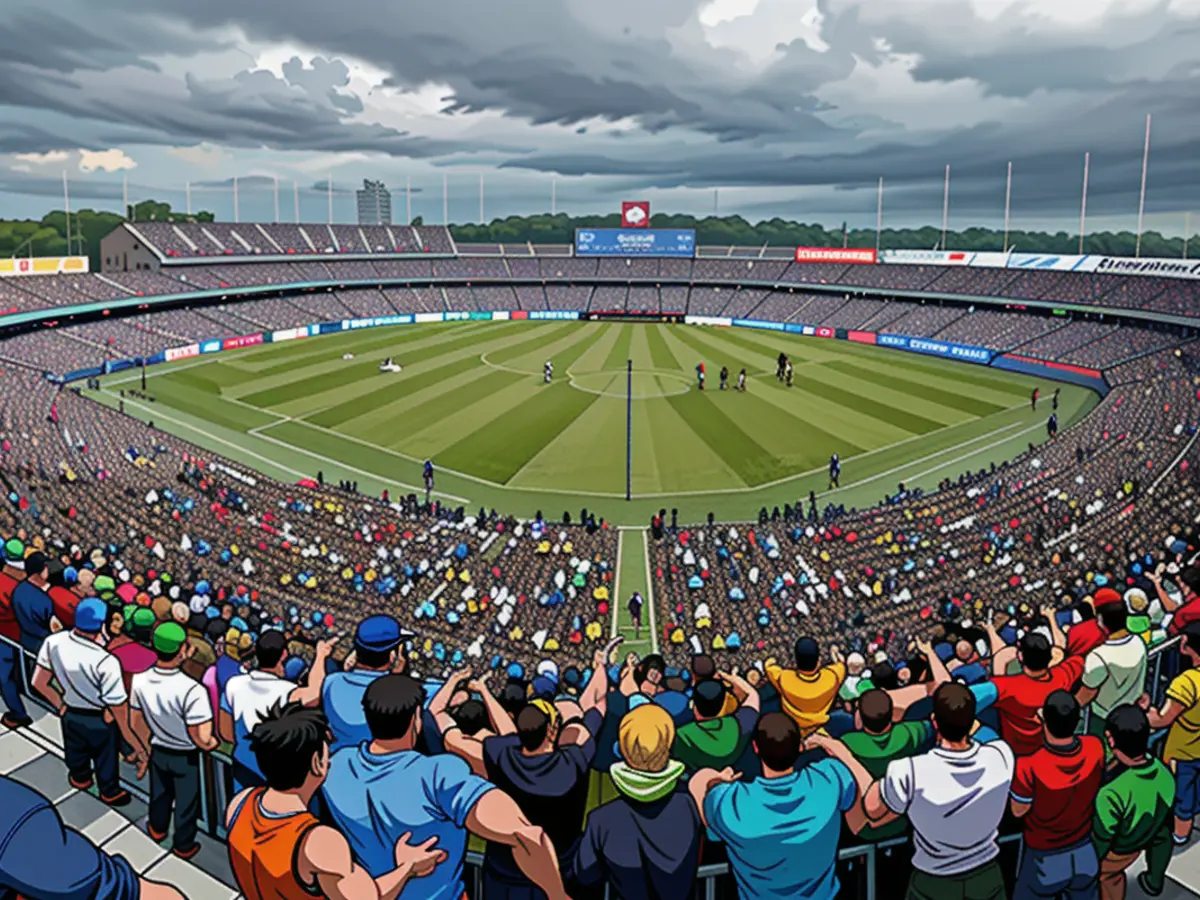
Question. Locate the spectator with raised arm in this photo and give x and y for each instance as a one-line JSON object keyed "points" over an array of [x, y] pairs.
{"points": [[810, 690], [715, 739], [1181, 713]]}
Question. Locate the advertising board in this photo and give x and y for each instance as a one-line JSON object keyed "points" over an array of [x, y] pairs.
{"points": [[759, 324], [966, 352], [42, 265], [669, 242], [635, 214], [857, 255], [174, 353]]}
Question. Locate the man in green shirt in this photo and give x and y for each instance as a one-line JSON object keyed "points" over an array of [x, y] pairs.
{"points": [[878, 741], [1133, 811], [715, 741]]}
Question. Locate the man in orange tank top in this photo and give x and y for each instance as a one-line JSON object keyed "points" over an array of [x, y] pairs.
{"points": [[278, 849]]}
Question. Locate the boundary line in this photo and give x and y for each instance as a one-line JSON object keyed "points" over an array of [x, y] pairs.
{"points": [[650, 593], [616, 592]]}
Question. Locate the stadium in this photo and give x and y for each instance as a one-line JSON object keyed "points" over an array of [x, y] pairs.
{"points": [[231, 422]]}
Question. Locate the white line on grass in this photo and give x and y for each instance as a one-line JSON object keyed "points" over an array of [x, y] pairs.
{"points": [[650, 593], [616, 598]]}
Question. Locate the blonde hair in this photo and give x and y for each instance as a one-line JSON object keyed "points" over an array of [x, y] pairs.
{"points": [[645, 738]]}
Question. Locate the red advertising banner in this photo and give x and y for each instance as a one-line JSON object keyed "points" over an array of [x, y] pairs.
{"points": [[518, 315], [248, 340], [835, 255], [861, 337], [825, 332], [635, 214]]}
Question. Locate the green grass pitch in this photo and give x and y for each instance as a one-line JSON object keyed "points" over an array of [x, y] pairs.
{"points": [[471, 398]]}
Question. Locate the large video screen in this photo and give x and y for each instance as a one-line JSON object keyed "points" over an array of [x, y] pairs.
{"points": [[635, 242]]}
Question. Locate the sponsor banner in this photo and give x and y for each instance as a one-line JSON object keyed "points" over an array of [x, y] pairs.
{"points": [[759, 324], [289, 334], [1164, 268], [635, 214], [796, 328], [156, 359], [990, 260], [43, 265], [966, 352], [80, 374], [823, 332], [481, 316], [328, 327], [426, 318], [175, 353], [455, 316], [718, 321], [211, 347], [672, 242], [861, 337], [561, 315], [928, 257], [519, 315], [119, 365], [1055, 372], [835, 255], [1051, 263], [376, 322], [1063, 367], [246, 340], [501, 316]]}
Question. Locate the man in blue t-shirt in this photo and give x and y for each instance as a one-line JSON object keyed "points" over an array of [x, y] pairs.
{"points": [[380, 790], [782, 829], [42, 857], [32, 606], [375, 654]]}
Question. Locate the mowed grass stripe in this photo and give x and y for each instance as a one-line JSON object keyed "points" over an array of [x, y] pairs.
{"points": [[209, 406], [710, 351], [750, 461], [619, 355], [962, 373], [396, 339], [817, 382], [419, 417], [499, 450], [542, 337], [359, 371], [406, 386], [661, 356], [955, 400], [732, 336]]}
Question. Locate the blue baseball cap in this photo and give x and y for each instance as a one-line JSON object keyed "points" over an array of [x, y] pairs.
{"points": [[90, 615], [379, 634], [545, 688]]}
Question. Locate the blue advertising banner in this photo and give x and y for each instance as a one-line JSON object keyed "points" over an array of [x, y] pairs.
{"points": [[354, 324], [965, 352], [557, 314], [328, 327], [675, 242], [756, 323], [211, 346]]}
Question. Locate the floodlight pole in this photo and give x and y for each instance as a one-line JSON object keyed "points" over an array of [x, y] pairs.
{"points": [[628, 430]]}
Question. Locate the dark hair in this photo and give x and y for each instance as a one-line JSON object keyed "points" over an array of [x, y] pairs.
{"points": [[1061, 714], [512, 697], [703, 666], [372, 659], [876, 708], [709, 698], [652, 663], [883, 675], [777, 741], [1129, 729], [954, 711], [285, 742], [269, 649], [532, 727], [1035, 651], [1113, 616], [808, 654], [390, 704], [35, 563], [1190, 577], [471, 717], [1191, 636]]}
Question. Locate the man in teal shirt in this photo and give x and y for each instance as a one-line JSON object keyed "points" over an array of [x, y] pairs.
{"points": [[781, 830]]}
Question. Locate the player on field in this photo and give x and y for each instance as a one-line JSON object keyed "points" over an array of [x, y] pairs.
{"points": [[742, 381], [1034, 399], [780, 365], [700, 375], [724, 378], [835, 472], [428, 481], [548, 371], [1052, 425], [787, 371], [1054, 399]]}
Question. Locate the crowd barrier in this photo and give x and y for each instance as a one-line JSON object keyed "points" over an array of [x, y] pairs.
{"points": [[861, 867]]}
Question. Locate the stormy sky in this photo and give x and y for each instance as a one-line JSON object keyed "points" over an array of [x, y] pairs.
{"points": [[764, 107]]}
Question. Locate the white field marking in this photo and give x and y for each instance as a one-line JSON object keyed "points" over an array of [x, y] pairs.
{"points": [[571, 376], [616, 594], [151, 373], [650, 593]]}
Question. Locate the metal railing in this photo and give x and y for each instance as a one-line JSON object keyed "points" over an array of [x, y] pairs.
{"points": [[858, 864]]}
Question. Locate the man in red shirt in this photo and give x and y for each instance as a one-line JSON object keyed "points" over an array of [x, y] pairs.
{"points": [[1085, 637], [1019, 697], [1183, 614], [64, 599], [11, 574], [1054, 790]]}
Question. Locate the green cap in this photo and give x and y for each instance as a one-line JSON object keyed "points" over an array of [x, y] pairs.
{"points": [[128, 611], [14, 549], [142, 618], [104, 583], [169, 637]]}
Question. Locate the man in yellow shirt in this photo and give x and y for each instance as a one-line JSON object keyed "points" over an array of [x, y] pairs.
{"points": [[808, 691], [1181, 712]]}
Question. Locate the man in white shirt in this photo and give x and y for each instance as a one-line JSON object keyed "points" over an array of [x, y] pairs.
{"points": [[93, 703], [954, 796], [248, 697], [1115, 672], [172, 714]]}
